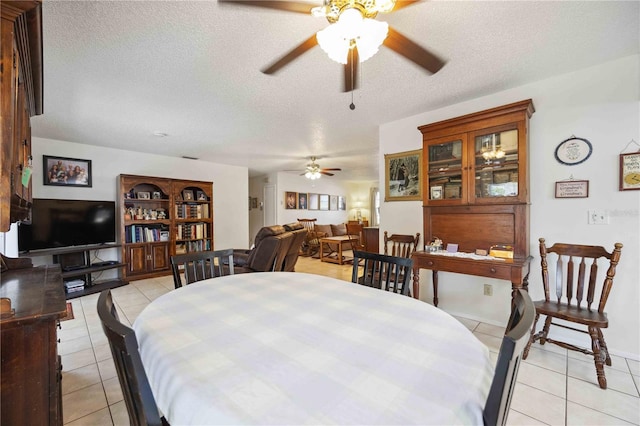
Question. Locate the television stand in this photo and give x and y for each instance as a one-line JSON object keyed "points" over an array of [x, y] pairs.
{"points": [[75, 263]]}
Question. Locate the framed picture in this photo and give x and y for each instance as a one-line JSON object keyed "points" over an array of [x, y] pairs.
{"points": [[201, 196], [187, 195], [573, 151], [290, 200], [333, 202], [313, 202], [156, 195], [629, 171], [403, 176], [63, 171], [302, 201], [572, 189], [143, 195], [342, 205], [324, 202]]}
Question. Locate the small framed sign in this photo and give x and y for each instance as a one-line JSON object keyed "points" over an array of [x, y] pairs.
{"points": [[572, 189], [629, 171]]}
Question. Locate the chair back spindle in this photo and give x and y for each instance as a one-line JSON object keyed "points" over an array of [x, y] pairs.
{"points": [[390, 273], [572, 288], [400, 245]]}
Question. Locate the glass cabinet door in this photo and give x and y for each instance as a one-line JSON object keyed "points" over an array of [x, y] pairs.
{"points": [[496, 164], [444, 170]]}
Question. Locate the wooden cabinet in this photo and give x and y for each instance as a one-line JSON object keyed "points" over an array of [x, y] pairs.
{"points": [[476, 179], [30, 393], [147, 258], [371, 237], [479, 158], [476, 193], [21, 97], [160, 217]]}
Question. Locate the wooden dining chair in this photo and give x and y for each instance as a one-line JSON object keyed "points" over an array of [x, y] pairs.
{"points": [[201, 265], [574, 296], [136, 391], [390, 273], [401, 245], [519, 326]]}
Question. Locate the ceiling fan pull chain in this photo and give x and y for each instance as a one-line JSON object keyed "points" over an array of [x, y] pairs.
{"points": [[352, 106]]}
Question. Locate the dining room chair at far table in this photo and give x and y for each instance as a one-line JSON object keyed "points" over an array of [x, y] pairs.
{"points": [[390, 273], [401, 245], [201, 265], [137, 394], [514, 341], [574, 296]]}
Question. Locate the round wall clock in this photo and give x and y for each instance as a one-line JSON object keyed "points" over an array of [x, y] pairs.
{"points": [[573, 151]]}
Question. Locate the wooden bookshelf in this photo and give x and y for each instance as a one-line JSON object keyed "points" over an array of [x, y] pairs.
{"points": [[160, 217]]}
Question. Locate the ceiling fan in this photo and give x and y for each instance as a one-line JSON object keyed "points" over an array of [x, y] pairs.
{"points": [[353, 34], [313, 170]]}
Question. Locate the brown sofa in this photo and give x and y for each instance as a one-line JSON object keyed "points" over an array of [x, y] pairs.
{"points": [[275, 249]]}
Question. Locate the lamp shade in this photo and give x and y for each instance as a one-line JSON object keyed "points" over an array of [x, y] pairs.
{"points": [[367, 34]]}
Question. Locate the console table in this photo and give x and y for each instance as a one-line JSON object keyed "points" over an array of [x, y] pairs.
{"points": [[507, 269]]}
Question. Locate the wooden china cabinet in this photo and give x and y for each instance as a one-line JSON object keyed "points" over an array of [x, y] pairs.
{"points": [[476, 190], [161, 217], [20, 98]]}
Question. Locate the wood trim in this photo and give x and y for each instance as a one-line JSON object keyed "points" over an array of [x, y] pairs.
{"points": [[488, 118]]}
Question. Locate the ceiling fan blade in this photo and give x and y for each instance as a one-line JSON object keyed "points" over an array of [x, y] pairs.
{"points": [[404, 3], [326, 173], [412, 51], [291, 55], [351, 70], [330, 170], [288, 6]]}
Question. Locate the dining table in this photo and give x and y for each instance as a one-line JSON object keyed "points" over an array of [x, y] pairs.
{"points": [[291, 348]]}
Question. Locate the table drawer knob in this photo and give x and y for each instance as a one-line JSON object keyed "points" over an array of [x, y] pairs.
{"points": [[430, 263], [493, 270]]}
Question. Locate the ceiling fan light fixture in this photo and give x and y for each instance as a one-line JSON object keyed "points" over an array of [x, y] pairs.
{"points": [[367, 33], [313, 175]]}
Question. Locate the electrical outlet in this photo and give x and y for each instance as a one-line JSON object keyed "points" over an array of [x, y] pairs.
{"points": [[488, 290], [598, 217]]}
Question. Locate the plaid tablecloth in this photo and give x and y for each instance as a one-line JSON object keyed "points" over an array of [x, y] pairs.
{"points": [[285, 348]]}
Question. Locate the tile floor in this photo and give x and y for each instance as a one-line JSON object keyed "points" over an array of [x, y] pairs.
{"points": [[554, 387]]}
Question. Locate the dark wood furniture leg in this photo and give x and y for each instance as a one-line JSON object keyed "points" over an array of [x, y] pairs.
{"points": [[434, 275]]}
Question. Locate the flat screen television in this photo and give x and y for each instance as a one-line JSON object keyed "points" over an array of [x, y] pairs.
{"points": [[66, 223]]}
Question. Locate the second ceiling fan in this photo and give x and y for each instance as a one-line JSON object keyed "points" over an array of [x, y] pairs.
{"points": [[353, 34], [313, 170]]}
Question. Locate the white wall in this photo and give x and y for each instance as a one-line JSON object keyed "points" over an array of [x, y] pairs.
{"points": [[600, 104], [230, 183]]}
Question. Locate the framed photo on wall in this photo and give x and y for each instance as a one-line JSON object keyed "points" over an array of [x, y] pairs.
{"points": [[313, 202], [629, 171], [302, 201], [333, 202], [290, 200], [63, 171], [342, 205], [403, 176], [324, 202]]}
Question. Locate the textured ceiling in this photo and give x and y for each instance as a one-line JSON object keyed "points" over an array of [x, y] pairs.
{"points": [[118, 71]]}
